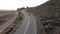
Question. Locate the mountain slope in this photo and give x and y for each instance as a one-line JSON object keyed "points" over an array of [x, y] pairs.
{"points": [[48, 17]]}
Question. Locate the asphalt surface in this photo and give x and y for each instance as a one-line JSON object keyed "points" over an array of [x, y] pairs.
{"points": [[4, 26], [28, 26]]}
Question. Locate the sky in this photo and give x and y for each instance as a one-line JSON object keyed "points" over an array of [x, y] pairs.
{"points": [[14, 4]]}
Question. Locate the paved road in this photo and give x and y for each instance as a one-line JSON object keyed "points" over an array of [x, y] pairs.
{"points": [[28, 26], [4, 26]]}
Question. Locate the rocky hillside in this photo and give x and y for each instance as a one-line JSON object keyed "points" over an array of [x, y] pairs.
{"points": [[48, 17]]}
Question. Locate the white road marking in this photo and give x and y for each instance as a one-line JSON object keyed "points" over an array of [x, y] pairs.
{"points": [[27, 25]]}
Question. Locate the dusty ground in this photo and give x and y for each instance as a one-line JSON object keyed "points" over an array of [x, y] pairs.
{"points": [[14, 26]]}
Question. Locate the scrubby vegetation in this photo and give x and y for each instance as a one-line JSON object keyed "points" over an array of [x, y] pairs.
{"points": [[5, 16], [48, 17], [12, 28]]}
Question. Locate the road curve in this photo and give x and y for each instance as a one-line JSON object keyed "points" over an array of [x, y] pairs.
{"points": [[4, 26], [28, 26]]}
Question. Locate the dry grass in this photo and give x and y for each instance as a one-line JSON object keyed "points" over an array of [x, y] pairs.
{"points": [[5, 16], [15, 25]]}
